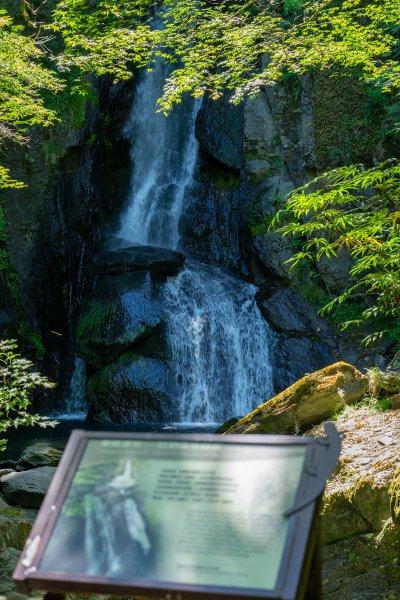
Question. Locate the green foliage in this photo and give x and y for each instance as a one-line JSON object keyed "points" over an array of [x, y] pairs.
{"points": [[6, 181], [17, 381], [105, 37], [23, 77], [358, 210], [220, 45]]}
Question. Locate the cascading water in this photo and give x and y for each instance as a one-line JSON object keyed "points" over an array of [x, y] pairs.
{"points": [[218, 342], [76, 406], [163, 154]]}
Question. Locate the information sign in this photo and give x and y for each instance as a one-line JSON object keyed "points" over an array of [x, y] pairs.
{"points": [[188, 516]]}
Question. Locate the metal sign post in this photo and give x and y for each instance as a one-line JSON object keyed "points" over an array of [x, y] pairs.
{"points": [[182, 517]]}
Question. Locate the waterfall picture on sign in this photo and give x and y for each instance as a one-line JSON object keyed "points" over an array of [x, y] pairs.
{"points": [[102, 529]]}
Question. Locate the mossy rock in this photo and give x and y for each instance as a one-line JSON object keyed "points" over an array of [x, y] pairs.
{"points": [[313, 399], [120, 311], [14, 527], [394, 495], [39, 456], [389, 381], [363, 567], [355, 509]]}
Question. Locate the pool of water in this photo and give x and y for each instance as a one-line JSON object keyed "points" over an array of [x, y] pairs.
{"points": [[57, 437]]}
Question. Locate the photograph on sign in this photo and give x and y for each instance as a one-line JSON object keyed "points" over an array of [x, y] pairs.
{"points": [[179, 512]]}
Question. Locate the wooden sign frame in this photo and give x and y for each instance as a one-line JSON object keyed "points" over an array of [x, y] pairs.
{"points": [[320, 458]]}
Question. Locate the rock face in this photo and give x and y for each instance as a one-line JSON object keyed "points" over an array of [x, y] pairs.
{"points": [[15, 526], [219, 129], [8, 561], [304, 340], [308, 402], [359, 521], [39, 456], [75, 186], [140, 258], [118, 312], [131, 390], [289, 313], [29, 487]]}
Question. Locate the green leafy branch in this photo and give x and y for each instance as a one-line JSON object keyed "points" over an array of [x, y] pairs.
{"points": [[358, 210], [17, 382]]}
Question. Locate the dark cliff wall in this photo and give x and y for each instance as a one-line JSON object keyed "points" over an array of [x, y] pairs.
{"points": [[76, 175], [265, 148]]}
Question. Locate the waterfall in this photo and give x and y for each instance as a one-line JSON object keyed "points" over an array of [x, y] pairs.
{"points": [[163, 154], [217, 341], [219, 344], [76, 406]]}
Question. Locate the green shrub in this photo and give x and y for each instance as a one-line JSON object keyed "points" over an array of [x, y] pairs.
{"points": [[17, 381]]}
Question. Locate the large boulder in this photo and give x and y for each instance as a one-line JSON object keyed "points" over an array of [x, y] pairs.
{"points": [[119, 311], [131, 390], [304, 342], [288, 312], [27, 488], [219, 129], [140, 258], [39, 456], [311, 400]]}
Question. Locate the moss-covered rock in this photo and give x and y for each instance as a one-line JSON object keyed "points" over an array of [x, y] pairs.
{"points": [[8, 561], [118, 312], [39, 456], [394, 495], [15, 527], [363, 567], [314, 398]]}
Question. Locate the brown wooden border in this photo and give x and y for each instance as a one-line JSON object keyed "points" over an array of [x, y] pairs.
{"points": [[291, 573]]}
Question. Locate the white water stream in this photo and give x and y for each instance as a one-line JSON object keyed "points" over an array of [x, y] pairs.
{"points": [[218, 342]]}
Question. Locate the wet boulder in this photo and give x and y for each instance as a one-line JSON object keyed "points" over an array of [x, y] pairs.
{"points": [[311, 400], [133, 389], [119, 311], [39, 456], [27, 488], [219, 129], [138, 258]]}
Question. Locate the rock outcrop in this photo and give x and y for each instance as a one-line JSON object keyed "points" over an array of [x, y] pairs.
{"points": [[139, 258], [39, 456], [304, 342], [15, 525], [27, 488], [360, 519], [133, 389], [219, 129], [308, 402], [119, 311]]}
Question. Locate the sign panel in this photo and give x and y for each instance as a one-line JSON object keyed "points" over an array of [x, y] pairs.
{"points": [[190, 514]]}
